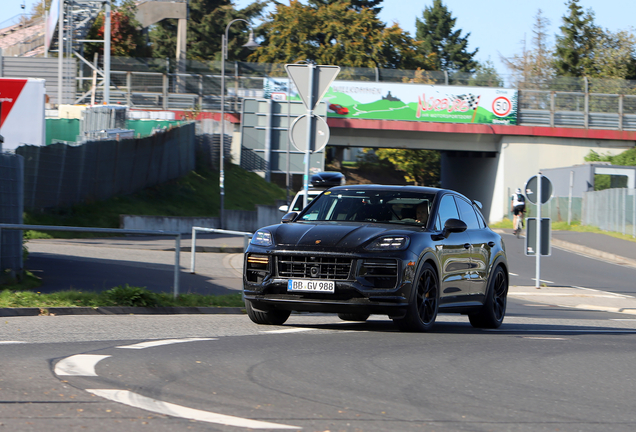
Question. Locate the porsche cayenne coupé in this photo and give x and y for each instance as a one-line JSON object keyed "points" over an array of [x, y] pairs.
{"points": [[408, 252]]}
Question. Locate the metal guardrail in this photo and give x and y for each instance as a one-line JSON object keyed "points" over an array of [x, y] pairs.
{"points": [[547, 108], [177, 236], [246, 238]]}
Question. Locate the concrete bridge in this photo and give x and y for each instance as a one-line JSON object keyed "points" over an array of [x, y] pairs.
{"points": [[484, 162]]}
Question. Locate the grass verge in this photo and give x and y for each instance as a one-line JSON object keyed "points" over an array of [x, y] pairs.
{"points": [[124, 296]]}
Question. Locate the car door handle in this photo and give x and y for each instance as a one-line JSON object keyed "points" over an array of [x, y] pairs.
{"points": [[466, 245], [491, 243]]}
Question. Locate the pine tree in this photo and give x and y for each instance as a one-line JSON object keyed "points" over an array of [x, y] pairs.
{"points": [[575, 46], [437, 36]]}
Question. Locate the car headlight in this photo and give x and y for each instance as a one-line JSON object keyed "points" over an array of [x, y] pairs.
{"points": [[262, 238], [390, 243]]}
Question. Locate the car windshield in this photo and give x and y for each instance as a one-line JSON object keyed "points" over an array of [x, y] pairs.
{"points": [[366, 205]]}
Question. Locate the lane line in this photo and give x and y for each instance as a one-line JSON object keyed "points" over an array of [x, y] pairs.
{"points": [[11, 342], [138, 401], [293, 330], [151, 344], [79, 365]]}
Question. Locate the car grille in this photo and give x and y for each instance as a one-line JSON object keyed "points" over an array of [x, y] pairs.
{"points": [[379, 273], [293, 266]]}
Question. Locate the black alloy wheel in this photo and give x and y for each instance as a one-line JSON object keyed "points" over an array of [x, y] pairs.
{"points": [[422, 309], [272, 317], [492, 314]]}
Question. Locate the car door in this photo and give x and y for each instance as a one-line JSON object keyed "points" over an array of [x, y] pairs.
{"points": [[453, 253], [480, 248]]}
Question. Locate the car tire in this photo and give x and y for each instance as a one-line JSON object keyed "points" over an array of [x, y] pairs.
{"points": [[492, 314], [424, 303], [272, 317], [353, 316]]}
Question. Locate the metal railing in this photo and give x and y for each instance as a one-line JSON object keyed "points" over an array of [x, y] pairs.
{"points": [[246, 239], [176, 235], [201, 91]]}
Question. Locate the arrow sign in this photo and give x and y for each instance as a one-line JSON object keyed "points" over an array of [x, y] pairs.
{"points": [[323, 77]]}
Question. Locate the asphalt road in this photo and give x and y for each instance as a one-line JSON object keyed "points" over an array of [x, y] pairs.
{"points": [[548, 368]]}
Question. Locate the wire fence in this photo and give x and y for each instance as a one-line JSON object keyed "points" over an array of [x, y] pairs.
{"points": [[611, 210]]}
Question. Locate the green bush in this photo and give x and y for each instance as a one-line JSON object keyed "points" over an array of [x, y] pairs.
{"points": [[130, 296]]}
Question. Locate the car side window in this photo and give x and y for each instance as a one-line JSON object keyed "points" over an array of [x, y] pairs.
{"points": [[447, 210], [468, 214]]}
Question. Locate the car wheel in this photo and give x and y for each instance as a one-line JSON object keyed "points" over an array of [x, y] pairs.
{"points": [[353, 316], [272, 317], [424, 303], [491, 315]]}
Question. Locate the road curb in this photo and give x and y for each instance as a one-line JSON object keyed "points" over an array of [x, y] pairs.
{"points": [[112, 310], [572, 247]]}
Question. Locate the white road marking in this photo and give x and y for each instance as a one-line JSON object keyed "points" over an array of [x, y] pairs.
{"points": [[138, 401], [11, 342], [544, 281], [622, 319], [79, 365], [293, 330], [559, 331], [544, 338], [156, 343], [513, 274]]}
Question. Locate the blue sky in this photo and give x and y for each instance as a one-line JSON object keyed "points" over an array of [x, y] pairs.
{"points": [[496, 27]]}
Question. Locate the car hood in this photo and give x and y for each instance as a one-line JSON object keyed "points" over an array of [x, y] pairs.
{"points": [[330, 234]]}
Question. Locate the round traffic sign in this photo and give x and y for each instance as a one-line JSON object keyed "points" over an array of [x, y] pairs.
{"points": [[298, 133], [532, 189], [501, 106]]}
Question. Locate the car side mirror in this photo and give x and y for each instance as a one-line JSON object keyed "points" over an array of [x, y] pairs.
{"points": [[283, 208], [289, 217], [454, 226]]}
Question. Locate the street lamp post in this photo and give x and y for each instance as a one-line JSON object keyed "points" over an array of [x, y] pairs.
{"points": [[251, 44]]}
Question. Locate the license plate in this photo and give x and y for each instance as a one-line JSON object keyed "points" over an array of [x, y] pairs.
{"points": [[302, 285]]}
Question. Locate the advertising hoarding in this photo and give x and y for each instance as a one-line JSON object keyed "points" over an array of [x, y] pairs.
{"points": [[409, 102]]}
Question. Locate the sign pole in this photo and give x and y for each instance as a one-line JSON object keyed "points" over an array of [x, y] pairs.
{"points": [[310, 134], [538, 229]]}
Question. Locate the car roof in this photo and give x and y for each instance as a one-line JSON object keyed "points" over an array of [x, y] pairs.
{"points": [[396, 188]]}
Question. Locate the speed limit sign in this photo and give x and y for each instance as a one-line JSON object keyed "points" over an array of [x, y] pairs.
{"points": [[501, 106]]}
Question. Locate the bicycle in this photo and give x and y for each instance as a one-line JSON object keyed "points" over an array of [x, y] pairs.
{"points": [[519, 227]]}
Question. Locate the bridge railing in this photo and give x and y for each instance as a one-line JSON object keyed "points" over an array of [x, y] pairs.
{"points": [[561, 102]]}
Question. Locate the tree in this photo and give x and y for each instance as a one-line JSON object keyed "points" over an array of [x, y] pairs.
{"points": [[207, 20], [334, 33], [437, 36], [486, 76], [615, 55], [422, 167], [575, 47], [126, 38], [534, 68], [39, 9], [356, 5]]}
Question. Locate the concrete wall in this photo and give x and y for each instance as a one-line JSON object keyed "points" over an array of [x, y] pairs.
{"points": [[472, 174], [236, 220]]}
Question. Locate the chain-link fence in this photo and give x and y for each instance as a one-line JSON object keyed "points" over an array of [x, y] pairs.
{"points": [[63, 175], [11, 208], [559, 209], [611, 210]]}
